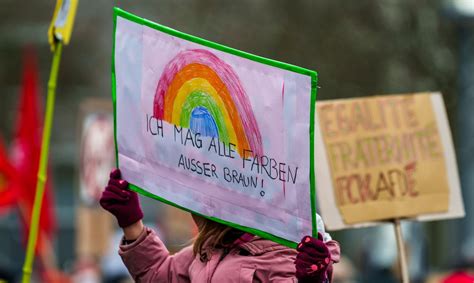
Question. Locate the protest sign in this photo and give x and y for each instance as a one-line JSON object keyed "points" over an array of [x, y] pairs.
{"points": [[97, 156], [94, 225], [214, 130], [60, 28], [385, 157]]}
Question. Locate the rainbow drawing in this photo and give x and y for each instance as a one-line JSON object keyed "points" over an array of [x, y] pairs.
{"points": [[199, 91]]}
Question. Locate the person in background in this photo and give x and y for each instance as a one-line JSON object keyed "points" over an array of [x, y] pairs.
{"points": [[219, 254]]}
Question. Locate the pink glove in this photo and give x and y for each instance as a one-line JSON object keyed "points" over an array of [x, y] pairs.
{"points": [[312, 261], [120, 201]]}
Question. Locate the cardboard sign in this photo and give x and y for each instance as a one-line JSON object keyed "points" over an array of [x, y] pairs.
{"points": [[95, 228], [385, 157], [214, 130]]}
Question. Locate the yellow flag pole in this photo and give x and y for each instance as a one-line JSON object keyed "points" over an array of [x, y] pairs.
{"points": [[43, 165], [59, 33]]}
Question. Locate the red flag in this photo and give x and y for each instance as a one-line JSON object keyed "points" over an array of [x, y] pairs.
{"points": [[8, 196], [26, 152]]}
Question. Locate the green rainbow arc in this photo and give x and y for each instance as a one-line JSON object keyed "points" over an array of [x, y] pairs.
{"points": [[200, 98]]}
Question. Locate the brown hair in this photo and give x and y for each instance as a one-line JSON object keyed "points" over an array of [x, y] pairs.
{"points": [[213, 235]]}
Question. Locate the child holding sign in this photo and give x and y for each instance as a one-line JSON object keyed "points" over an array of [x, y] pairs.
{"points": [[219, 254]]}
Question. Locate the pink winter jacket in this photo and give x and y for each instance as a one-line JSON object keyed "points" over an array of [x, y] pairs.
{"points": [[258, 260]]}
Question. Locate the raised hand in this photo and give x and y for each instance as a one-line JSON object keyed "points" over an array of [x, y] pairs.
{"points": [[120, 201], [312, 261]]}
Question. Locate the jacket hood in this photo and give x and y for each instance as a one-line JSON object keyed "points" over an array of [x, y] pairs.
{"points": [[258, 246]]}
